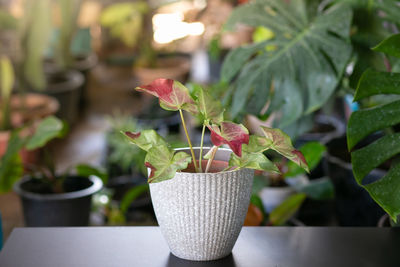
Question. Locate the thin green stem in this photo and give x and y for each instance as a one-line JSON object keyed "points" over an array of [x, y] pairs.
{"points": [[188, 139], [201, 148]]}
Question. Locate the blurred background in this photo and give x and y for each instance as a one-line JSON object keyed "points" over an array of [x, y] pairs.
{"points": [[292, 64]]}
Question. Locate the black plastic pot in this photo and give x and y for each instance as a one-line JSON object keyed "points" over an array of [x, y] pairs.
{"points": [[65, 87], [83, 64], [353, 204], [65, 209]]}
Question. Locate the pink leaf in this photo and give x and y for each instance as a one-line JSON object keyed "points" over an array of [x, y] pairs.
{"points": [[172, 94], [232, 134], [132, 135]]}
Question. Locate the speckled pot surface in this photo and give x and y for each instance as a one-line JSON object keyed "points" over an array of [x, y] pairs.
{"points": [[201, 214]]}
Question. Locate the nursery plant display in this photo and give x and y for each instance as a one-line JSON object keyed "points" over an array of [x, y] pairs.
{"points": [[64, 198], [383, 119], [184, 182]]}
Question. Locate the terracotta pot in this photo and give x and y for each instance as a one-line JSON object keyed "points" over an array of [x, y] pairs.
{"points": [[175, 68], [201, 214], [32, 106]]}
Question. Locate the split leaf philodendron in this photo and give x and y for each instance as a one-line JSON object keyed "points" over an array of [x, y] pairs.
{"points": [[247, 149]]}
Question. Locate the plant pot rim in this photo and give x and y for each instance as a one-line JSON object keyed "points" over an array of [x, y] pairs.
{"points": [[220, 151], [74, 80], [97, 184]]}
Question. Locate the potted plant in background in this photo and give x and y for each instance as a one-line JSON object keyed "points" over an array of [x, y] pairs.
{"points": [[200, 204], [384, 118], [65, 199]]}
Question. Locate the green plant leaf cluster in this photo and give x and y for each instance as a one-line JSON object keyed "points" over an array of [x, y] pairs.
{"points": [[308, 55], [367, 121], [11, 168]]}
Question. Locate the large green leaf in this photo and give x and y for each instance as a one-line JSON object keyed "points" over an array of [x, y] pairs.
{"points": [[367, 121], [375, 82], [313, 152], [384, 191], [6, 86], [389, 46], [48, 129], [305, 67]]}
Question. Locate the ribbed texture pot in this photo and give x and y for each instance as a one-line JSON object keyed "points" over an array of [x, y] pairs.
{"points": [[201, 214]]}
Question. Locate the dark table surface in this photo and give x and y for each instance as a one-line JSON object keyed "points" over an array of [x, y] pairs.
{"points": [[256, 246]]}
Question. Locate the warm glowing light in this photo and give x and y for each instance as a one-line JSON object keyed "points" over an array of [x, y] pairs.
{"points": [[170, 27]]}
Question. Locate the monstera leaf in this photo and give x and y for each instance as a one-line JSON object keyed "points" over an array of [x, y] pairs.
{"points": [[365, 122], [303, 65]]}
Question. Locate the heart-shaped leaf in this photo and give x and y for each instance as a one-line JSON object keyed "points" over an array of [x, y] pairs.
{"points": [[209, 108], [172, 95], [146, 139], [48, 129], [257, 161], [164, 163], [282, 144], [232, 134]]}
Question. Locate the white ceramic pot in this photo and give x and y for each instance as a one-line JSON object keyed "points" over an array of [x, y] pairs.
{"points": [[201, 214]]}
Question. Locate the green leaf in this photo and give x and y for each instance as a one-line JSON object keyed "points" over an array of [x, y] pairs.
{"points": [[132, 195], [146, 139], [313, 152], [85, 170], [385, 191], [48, 129], [164, 163], [371, 156], [257, 161], [11, 168], [389, 46], [210, 109], [318, 189], [364, 122], [375, 83], [308, 60], [286, 209], [282, 144]]}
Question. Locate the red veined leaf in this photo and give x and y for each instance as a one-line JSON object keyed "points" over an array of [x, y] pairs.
{"points": [[232, 134], [172, 95]]}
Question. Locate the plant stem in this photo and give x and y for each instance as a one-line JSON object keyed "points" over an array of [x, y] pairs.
{"points": [[201, 148], [214, 151], [188, 139]]}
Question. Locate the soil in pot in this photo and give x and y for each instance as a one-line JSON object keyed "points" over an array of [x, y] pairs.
{"points": [[353, 204], [65, 87], [43, 207]]}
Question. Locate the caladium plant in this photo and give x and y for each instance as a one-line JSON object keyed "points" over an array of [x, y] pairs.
{"points": [[248, 150]]}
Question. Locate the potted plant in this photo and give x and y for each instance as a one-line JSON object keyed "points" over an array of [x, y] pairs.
{"points": [[19, 109], [200, 204], [48, 199], [383, 119]]}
